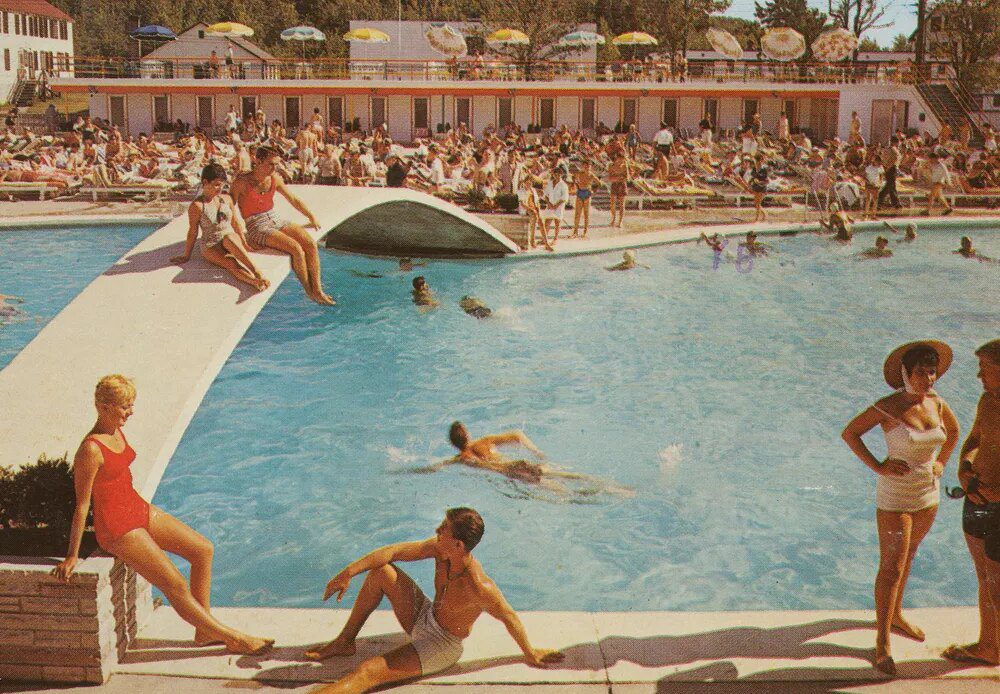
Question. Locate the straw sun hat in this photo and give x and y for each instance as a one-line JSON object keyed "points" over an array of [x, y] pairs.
{"points": [[892, 369]]}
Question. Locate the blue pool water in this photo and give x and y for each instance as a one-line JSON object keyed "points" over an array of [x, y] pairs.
{"points": [[48, 267], [718, 395]]}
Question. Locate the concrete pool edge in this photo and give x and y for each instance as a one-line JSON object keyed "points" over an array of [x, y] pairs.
{"points": [[602, 648]]}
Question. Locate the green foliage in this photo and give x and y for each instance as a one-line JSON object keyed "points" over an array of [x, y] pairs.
{"points": [[900, 43], [508, 202], [972, 40], [676, 23], [868, 45], [38, 495], [795, 14]]}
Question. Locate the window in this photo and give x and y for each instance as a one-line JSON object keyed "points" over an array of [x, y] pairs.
{"points": [[750, 108], [292, 112], [63, 30], [547, 113], [205, 116], [463, 112], [6, 22], [335, 111], [421, 113], [6, 59], [17, 24], [377, 111], [43, 27], [588, 113], [669, 112], [248, 108], [116, 109], [161, 111], [628, 112], [505, 112]]}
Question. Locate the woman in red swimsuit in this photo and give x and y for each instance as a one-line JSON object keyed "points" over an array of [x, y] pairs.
{"points": [[137, 533]]}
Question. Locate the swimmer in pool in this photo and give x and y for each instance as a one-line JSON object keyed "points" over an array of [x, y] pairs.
{"points": [[7, 309], [910, 231], [628, 263], [715, 242], [482, 453], [881, 249], [475, 308], [422, 294], [839, 223], [755, 247], [966, 250]]}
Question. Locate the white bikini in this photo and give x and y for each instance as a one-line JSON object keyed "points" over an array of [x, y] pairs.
{"points": [[919, 488]]}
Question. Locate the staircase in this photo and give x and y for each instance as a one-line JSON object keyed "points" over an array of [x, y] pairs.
{"points": [[952, 105], [24, 93]]}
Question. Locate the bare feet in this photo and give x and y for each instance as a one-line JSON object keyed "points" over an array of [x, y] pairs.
{"points": [[901, 626], [249, 645], [320, 297], [335, 647], [200, 639], [969, 653], [886, 665]]}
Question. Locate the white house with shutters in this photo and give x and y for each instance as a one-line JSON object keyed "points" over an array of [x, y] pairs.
{"points": [[34, 36]]}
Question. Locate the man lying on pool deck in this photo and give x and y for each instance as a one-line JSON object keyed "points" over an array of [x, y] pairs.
{"points": [[462, 591]]}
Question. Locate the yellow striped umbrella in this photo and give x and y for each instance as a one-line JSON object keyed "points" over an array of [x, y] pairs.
{"points": [[508, 37], [230, 30], [367, 36], [635, 38], [725, 43]]}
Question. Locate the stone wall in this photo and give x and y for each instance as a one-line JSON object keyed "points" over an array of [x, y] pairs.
{"points": [[68, 632]]}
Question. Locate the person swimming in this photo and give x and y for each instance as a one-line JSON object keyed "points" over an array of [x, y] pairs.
{"points": [[881, 249], [407, 264], [475, 308], [628, 262], [839, 223], [910, 231], [8, 310], [422, 294], [753, 246], [966, 250], [715, 242], [482, 453]]}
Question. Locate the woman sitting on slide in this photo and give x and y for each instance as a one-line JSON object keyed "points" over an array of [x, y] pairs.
{"points": [[136, 532]]}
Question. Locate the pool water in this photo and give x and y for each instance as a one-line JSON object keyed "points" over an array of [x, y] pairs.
{"points": [[718, 395], [48, 267]]}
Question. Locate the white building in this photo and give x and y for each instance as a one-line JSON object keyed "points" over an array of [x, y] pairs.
{"points": [[34, 36]]}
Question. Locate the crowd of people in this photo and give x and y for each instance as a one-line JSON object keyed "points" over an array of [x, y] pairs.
{"points": [[538, 175]]}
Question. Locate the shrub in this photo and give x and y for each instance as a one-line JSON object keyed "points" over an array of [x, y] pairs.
{"points": [[40, 495], [475, 198], [507, 202]]}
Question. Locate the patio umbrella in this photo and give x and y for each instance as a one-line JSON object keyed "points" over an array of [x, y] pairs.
{"points": [[581, 39], [230, 30], [635, 38], [508, 37], [154, 33], [366, 36], [783, 44], [835, 44], [725, 43], [446, 40], [303, 34]]}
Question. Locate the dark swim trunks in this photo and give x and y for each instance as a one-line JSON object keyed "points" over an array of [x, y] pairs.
{"points": [[983, 522]]}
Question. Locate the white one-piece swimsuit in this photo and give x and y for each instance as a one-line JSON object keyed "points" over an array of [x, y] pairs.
{"points": [[919, 488]]}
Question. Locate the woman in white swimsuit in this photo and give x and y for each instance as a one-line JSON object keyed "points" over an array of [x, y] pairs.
{"points": [[920, 433]]}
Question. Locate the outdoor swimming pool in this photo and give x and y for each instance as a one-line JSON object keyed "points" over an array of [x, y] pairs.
{"points": [[718, 395], [47, 267]]}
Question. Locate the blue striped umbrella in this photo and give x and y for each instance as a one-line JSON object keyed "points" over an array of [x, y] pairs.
{"points": [[581, 39], [303, 34]]}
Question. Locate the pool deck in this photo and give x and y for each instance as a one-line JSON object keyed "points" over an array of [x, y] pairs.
{"points": [[173, 327], [626, 652]]}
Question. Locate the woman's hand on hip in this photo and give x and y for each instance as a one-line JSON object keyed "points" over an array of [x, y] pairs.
{"points": [[893, 467]]}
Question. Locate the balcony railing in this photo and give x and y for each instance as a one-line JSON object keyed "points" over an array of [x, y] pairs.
{"points": [[714, 71]]}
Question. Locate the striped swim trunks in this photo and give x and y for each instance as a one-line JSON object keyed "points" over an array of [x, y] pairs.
{"points": [[262, 225]]}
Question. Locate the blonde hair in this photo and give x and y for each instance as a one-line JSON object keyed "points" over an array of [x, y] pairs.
{"points": [[114, 389]]}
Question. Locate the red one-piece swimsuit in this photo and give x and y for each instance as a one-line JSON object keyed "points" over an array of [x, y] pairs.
{"points": [[118, 508]]}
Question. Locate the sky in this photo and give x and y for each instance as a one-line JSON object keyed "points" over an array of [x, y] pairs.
{"points": [[901, 13]]}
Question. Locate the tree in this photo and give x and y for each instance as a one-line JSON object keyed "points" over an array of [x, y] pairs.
{"points": [[674, 22], [901, 43], [858, 16], [868, 46], [971, 30], [795, 14]]}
